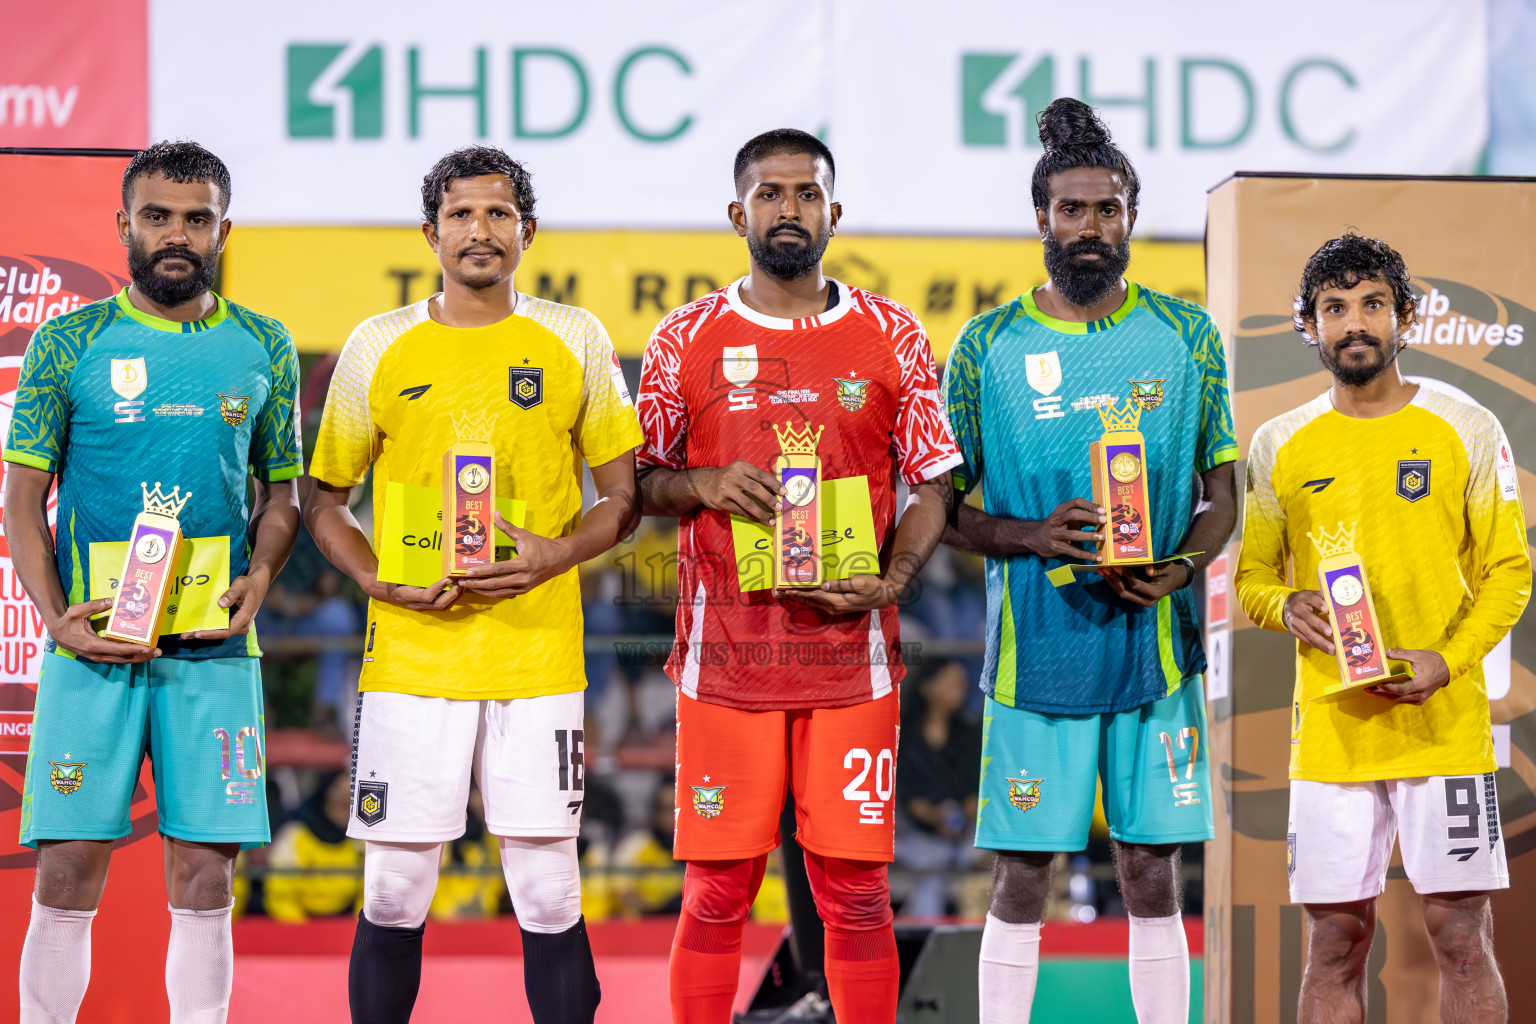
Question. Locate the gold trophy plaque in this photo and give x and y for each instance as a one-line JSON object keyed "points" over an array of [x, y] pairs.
{"points": [[797, 529], [1118, 462], [469, 496], [149, 569], [1357, 641]]}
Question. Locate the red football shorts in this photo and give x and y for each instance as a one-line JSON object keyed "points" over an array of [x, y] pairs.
{"points": [[733, 766]]}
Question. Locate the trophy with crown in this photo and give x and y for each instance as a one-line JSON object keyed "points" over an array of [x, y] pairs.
{"points": [[149, 569], [797, 531], [469, 496], [1357, 638], [1119, 467]]}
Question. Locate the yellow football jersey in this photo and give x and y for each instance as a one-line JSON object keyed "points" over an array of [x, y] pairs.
{"points": [[1432, 492], [549, 382]]}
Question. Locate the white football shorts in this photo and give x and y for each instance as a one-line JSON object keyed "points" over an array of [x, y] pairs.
{"points": [[412, 758], [1339, 841]]}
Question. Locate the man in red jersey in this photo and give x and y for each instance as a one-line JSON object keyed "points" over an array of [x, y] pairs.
{"points": [[786, 346]]}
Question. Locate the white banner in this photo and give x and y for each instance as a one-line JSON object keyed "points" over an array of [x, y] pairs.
{"points": [[629, 115]]}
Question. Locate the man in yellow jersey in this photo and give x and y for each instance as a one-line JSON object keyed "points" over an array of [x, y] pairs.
{"points": [[482, 674], [1427, 483]]}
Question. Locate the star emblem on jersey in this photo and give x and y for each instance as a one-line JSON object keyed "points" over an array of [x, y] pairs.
{"points": [[851, 394], [526, 387], [1024, 793], [66, 778], [1413, 479], [709, 801], [372, 802], [233, 408], [1044, 372], [1147, 393]]}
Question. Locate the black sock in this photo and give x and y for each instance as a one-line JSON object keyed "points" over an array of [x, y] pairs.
{"points": [[559, 976], [385, 973]]}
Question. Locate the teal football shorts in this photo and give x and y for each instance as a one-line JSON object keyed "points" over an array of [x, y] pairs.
{"points": [[1038, 775], [200, 722]]}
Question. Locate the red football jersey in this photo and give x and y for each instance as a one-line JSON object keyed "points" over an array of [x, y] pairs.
{"points": [[716, 379]]}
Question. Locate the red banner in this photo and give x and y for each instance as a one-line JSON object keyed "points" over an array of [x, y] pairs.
{"points": [[75, 74], [58, 250]]}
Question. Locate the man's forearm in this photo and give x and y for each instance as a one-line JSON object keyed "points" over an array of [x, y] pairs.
{"points": [[340, 538], [1212, 528], [977, 533], [274, 529], [669, 492], [921, 529], [610, 519]]}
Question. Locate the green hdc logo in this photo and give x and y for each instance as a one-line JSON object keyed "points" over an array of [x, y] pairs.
{"points": [[339, 90], [1002, 93]]}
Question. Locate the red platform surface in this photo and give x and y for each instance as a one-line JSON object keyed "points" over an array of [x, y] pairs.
{"points": [[474, 970]]}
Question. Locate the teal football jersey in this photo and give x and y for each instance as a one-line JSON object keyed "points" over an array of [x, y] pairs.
{"points": [[111, 397], [1022, 390]]}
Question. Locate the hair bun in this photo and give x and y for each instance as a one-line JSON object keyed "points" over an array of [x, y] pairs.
{"points": [[1068, 123]]}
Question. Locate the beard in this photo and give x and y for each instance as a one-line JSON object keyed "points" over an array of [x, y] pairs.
{"points": [[789, 262], [481, 278], [1086, 283], [1353, 375], [163, 289]]}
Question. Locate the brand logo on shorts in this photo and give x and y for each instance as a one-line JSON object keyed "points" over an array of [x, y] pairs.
{"points": [[66, 778], [372, 802], [709, 801], [1024, 793]]}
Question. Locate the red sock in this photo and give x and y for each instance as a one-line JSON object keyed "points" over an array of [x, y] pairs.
{"points": [[706, 964], [863, 975]]}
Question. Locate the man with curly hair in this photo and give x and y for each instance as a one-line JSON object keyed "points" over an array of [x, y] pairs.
{"points": [[1386, 465], [458, 677]]}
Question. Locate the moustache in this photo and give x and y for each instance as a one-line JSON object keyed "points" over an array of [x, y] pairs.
{"points": [[191, 257], [1098, 247], [1367, 339], [791, 229]]}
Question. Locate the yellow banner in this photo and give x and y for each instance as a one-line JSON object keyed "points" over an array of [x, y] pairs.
{"points": [[847, 537], [411, 549], [631, 279], [202, 577]]}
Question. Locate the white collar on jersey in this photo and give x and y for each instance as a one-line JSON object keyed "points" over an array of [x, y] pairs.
{"points": [[844, 304], [424, 307]]}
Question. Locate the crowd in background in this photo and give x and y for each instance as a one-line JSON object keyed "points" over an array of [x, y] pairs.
{"points": [[310, 630]]}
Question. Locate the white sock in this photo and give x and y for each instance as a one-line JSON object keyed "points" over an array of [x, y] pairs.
{"points": [[55, 964], [1160, 970], [200, 965], [1010, 962]]}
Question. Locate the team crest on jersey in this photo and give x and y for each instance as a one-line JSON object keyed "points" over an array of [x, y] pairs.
{"points": [[1147, 393], [66, 778], [526, 387], [1413, 479], [709, 801], [1024, 793], [233, 408], [372, 802], [851, 394], [1043, 371], [129, 377]]}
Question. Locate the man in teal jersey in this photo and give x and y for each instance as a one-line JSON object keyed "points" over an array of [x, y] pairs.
{"points": [[1099, 679], [169, 385]]}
